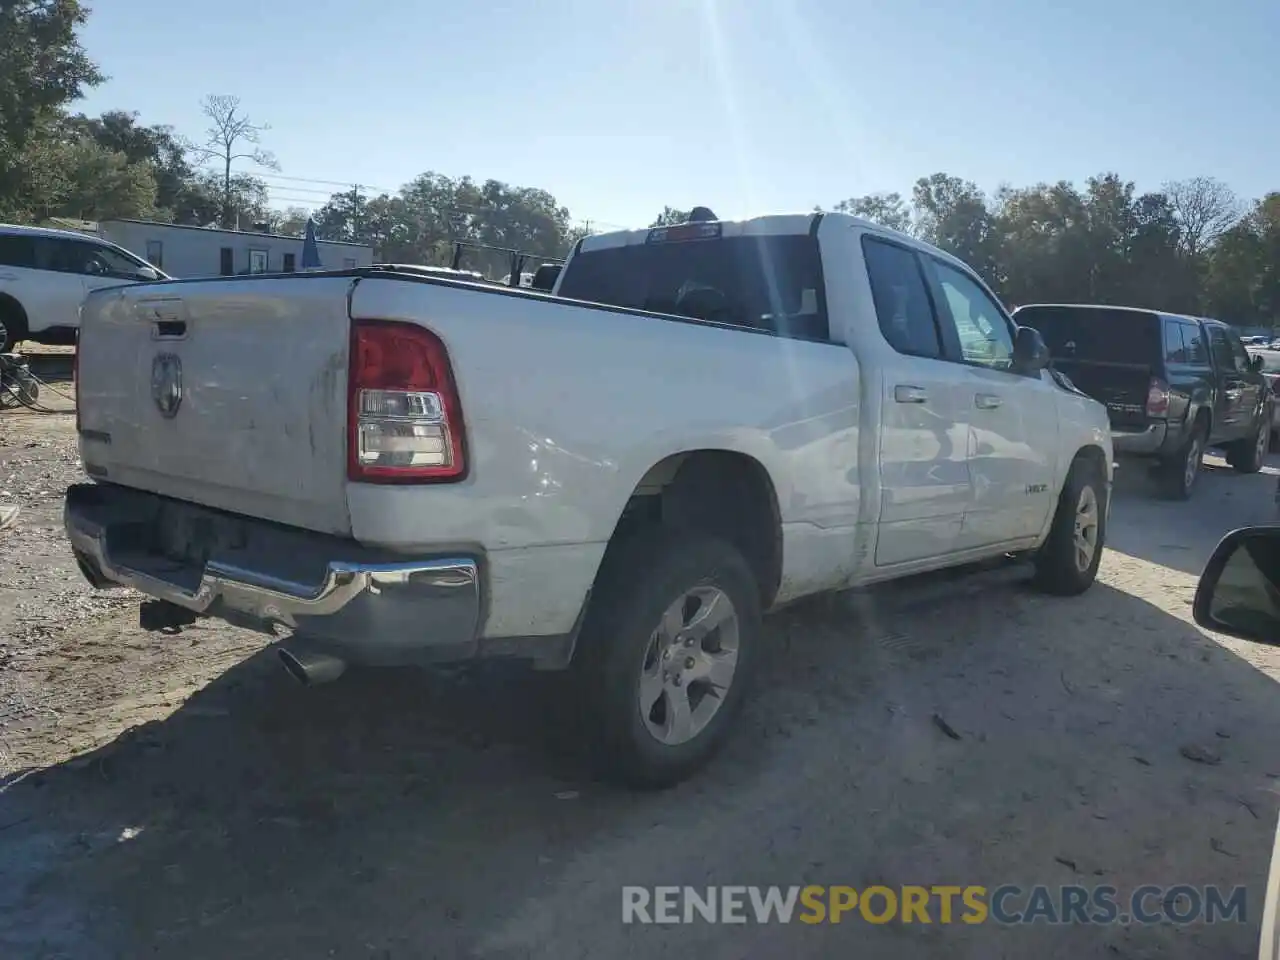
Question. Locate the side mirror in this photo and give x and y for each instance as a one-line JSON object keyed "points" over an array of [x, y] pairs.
{"points": [[1255, 363], [1030, 355], [1239, 590]]}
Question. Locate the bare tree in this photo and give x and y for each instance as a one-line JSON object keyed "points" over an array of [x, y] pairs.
{"points": [[231, 136], [1206, 208]]}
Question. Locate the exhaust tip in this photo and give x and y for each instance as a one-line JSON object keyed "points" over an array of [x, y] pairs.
{"points": [[311, 669]]}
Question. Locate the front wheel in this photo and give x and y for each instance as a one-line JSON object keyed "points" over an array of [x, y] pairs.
{"points": [[1247, 456], [667, 653], [1067, 564]]}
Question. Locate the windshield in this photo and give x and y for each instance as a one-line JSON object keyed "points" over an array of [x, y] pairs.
{"points": [[1096, 333], [771, 282]]}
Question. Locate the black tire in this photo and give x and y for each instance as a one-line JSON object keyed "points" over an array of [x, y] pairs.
{"points": [[1176, 476], [1248, 456], [13, 326], [640, 579], [1057, 568]]}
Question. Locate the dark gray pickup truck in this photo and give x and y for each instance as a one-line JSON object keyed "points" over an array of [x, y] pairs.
{"points": [[1173, 385]]}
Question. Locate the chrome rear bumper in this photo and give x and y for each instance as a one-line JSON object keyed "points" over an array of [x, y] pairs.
{"points": [[343, 597]]}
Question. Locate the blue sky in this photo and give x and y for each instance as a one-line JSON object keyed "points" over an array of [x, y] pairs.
{"points": [[621, 106]]}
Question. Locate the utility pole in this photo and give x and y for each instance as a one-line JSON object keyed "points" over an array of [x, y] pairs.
{"points": [[355, 211]]}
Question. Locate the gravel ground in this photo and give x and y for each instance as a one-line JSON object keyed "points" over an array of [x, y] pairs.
{"points": [[179, 796]]}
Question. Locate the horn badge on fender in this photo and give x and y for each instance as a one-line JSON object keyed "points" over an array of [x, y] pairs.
{"points": [[166, 384]]}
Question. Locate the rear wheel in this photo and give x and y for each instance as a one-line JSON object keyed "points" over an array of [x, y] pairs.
{"points": [[1067, 564], [1247, 456], [1178, 474], [667, 653], [13, 325]]}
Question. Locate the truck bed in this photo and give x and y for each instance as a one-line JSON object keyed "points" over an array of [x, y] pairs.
{"points": [[566, 406]]}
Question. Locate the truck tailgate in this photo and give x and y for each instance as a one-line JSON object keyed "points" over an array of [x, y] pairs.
{"points": [[1122, 387], [228, 393]]}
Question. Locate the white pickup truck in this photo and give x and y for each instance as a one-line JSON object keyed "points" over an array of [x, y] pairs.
{"points": [[701, 423]]}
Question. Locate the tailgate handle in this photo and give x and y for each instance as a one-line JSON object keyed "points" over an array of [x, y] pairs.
{"points": [[168, 329]]}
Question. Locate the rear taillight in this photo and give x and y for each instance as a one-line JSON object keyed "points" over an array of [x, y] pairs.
{"points": [[1157, 398], [404, 418]]}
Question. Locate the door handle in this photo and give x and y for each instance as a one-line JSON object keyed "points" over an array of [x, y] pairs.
{"points": [[986, 401], [905, 393]]}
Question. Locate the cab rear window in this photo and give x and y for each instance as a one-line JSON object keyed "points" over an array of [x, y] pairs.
{"points": [[772, 282], [1097, 333]]}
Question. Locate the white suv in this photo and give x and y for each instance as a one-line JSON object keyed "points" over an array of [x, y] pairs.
{"points": [[45, 276]]}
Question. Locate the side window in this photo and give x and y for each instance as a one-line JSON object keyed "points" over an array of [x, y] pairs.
{"points": [[1221, 347], [1193, 339], [985, 337], [109, 262], [17, 251], [1238, 353], [901, 299], [1175, 350]]}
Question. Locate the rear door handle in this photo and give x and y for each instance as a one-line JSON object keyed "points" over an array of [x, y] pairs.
{"points": [[986, 401], [905, 393]]}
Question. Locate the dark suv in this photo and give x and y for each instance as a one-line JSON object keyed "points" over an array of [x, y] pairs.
{"points": [[1172, 385]]}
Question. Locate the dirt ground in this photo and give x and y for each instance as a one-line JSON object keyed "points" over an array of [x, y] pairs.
{"points": [[179, 796]]}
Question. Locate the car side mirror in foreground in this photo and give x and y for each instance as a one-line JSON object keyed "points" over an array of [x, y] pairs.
{"points": [[1030, 355], [1239, 590], [1255, 363]]}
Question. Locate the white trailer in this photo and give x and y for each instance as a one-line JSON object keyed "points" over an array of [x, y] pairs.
{"points": [[183, 251]]}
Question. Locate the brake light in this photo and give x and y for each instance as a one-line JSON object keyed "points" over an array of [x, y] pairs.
{"points": [[404, 418], [1157, 398]]}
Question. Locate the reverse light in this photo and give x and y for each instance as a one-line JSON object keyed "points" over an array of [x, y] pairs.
{"points": [[1157, 398], [405, 421]]}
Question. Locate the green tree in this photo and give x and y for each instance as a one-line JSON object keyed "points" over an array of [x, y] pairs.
{"points": [[423, 220], [886, 209], [42, 68], [953, 214], [669, 217], [42, 65], [158, 145]]}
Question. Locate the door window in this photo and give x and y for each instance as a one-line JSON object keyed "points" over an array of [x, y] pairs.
{"points": [[1193, 338], [983, 331], [902, 302], [1175, 351], [17, 251], [95, 260], [1238, 353], [1222, 356]]}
